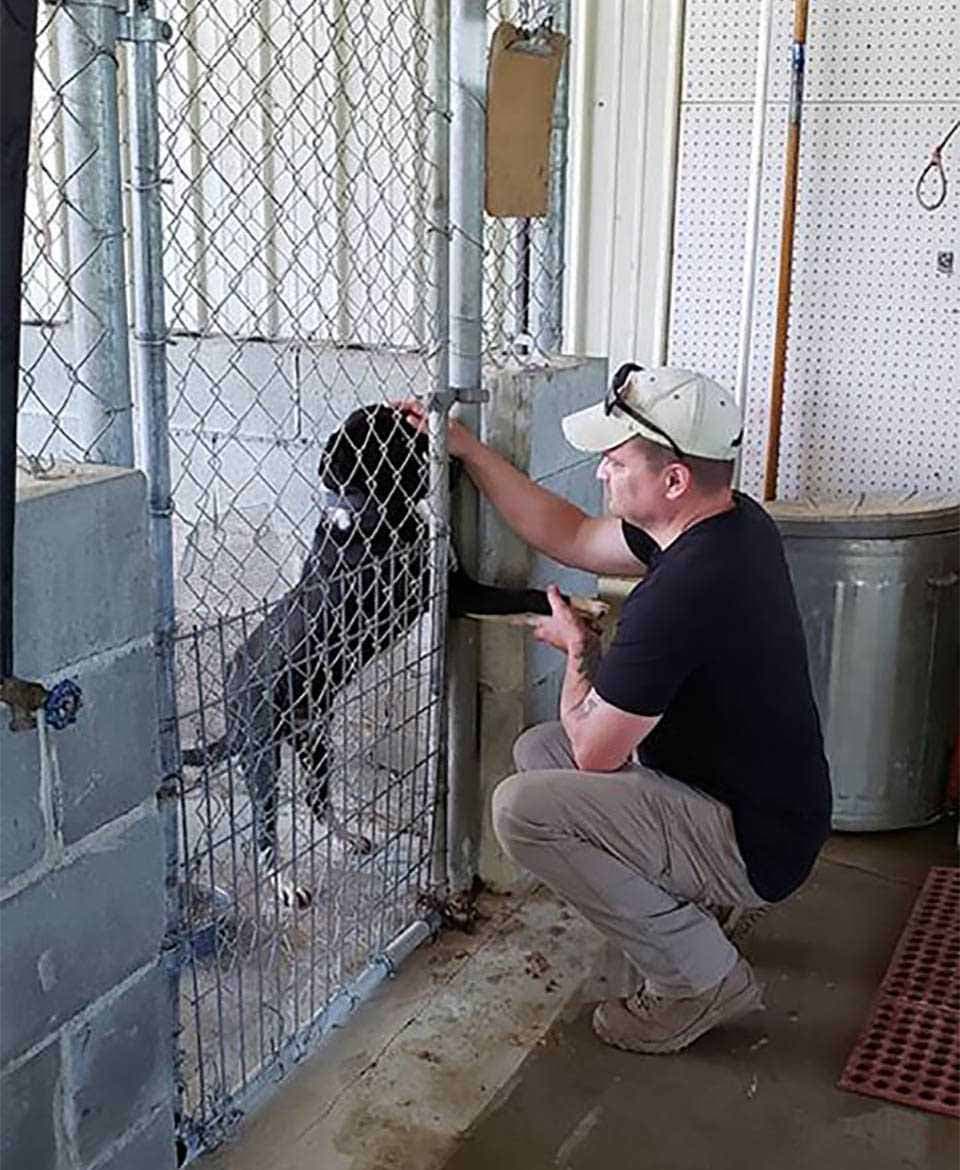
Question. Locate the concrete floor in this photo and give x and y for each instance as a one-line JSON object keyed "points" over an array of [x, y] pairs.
{"points": [[478, 1056], [761, 1092]]}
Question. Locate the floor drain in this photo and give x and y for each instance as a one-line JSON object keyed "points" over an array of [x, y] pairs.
{"points": [[909, 1050]]}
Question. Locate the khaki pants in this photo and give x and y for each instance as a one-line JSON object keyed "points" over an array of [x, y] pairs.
{"points": [[636, 852]]}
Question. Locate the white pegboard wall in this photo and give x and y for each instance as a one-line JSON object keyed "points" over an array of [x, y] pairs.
{"points": [[872, 398], [858, 50]]}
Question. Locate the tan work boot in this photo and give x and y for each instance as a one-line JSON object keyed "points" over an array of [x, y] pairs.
{"points": [[737, 922], [647, 1022]]}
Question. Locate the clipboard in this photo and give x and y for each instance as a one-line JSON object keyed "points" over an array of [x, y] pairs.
{"points": [[522, 73]]}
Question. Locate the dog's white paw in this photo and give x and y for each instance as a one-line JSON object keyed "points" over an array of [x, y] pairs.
{"points": [[295, 897], [358, 844]]}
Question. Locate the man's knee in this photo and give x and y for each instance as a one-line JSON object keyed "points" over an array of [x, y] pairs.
{"points": [[521, 811], [542, 746]]}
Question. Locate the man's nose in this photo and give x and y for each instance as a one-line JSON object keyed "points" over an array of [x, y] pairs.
{"points": [[602, 469]]}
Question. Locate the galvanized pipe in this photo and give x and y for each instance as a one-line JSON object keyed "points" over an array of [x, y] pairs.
{"points": [[150, 340], [468, 104], [98, 307], [467, 168], [439, 490]]}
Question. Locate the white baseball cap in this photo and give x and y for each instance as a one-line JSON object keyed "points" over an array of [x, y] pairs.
{"points": [[687, 412]]}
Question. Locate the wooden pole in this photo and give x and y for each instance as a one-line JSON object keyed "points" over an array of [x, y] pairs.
{"points": [[786, 247]]}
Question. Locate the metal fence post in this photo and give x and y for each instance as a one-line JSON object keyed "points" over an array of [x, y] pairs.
{"points": [[439, 227], [98, 310], [150, 340], [467, 157]]}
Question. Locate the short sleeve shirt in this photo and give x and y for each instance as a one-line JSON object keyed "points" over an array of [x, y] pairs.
{"points": [[711, 641]]}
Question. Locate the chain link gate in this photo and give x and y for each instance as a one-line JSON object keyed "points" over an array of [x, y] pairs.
{"points": [[247, 207], [304, 264]]}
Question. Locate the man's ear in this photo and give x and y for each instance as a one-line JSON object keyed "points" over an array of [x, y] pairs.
{"points": [[678, 480]]}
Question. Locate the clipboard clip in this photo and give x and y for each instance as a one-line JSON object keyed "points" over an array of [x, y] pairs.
{"points": [[535, 43]]}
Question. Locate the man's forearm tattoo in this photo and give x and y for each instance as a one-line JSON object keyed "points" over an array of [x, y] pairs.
{"points": [[587, 704], [588, 657]]}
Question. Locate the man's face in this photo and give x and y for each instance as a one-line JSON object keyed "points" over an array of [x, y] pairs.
{"points": [[635, 492]]}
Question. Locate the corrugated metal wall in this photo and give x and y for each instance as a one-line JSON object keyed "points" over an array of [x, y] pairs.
{"points": [[873, 377]]}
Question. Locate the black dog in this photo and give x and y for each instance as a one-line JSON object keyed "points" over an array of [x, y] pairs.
{"points": [[364, 583]]}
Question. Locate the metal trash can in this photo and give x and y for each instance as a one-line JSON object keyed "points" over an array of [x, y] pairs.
{"points": [[877, 584]]}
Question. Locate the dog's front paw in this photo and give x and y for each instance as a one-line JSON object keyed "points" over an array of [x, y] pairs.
{"points": [[358, 844], [296, 897]]}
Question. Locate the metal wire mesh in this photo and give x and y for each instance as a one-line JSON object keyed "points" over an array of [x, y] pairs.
{"points": [[75, 389], [274, 931], [303, 204], [523, 257], [297, 264], [300, 289]]}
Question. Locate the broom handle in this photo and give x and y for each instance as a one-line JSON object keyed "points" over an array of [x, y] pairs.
{"points": [[786, 248]]}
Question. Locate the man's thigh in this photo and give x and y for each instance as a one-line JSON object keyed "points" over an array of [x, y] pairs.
{"points": [[672, 834]]}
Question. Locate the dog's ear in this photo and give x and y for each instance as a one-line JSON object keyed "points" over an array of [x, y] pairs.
{"points": [[404, 468], [348, 454]]}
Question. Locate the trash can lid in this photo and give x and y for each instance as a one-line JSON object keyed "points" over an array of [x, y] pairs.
{"points": [[877, 516]]}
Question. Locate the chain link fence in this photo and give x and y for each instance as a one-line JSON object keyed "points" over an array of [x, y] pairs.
{"points": [[302, 180], [75, 384]]}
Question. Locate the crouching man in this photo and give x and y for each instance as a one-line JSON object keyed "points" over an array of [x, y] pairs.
{"points": [[684, 787]]}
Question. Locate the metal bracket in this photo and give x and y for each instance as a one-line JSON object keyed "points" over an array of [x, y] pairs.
{"points": [[444, 399], [470, 394], [143, 28]]}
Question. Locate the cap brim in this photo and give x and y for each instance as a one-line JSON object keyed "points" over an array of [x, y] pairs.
{"points": [[595, 430]]}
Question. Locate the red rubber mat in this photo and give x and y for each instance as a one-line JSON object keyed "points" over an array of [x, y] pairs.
{"points": [[909, 1050]]}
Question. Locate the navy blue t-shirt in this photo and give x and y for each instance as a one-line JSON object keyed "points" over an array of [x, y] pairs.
{"points": [[711, 640]]}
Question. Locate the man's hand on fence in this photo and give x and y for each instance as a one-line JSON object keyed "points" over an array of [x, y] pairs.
{"points": [[459, 438]]}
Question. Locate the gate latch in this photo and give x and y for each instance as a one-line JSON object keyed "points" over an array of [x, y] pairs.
{"points": [[143, 27]]}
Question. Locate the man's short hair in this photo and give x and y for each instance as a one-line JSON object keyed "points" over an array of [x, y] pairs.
{"points": [[709, 475]]}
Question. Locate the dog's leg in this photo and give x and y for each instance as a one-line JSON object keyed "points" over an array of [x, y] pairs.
{"points": [[469, 596], [258, 762], [262, 776], [315, 757]]}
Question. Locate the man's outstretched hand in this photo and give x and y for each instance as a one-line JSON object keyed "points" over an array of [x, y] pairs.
{"points": [[459, 438], [564, 629]]}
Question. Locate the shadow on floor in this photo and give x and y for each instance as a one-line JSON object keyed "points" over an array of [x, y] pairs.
{"points": [[761, 1092]]}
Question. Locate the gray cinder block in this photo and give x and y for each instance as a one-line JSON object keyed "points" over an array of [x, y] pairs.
{"points": [[28, 1099], [118, 1072], [83, 581], [22, 826], [81, 930], [108, 758]]}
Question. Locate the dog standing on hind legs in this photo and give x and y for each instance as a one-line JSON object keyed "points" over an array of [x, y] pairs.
{"points": [[364, 583]]}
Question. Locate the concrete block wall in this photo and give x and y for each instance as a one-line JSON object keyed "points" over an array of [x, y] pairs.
{"points": [[520, 679], [85, 1052]]}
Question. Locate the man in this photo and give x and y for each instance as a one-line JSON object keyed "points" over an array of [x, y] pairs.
{"points": [[685, 780]]}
